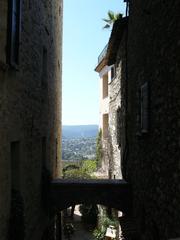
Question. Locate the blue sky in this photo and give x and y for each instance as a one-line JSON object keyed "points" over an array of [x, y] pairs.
{"points": [[83, 40]]}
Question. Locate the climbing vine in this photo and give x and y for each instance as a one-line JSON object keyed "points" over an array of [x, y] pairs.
{"points": [[99, 149]]}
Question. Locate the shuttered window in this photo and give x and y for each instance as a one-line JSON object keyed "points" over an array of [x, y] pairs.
{"points": [[44, 68], [113, 72], [14, 32], [144, 108]]}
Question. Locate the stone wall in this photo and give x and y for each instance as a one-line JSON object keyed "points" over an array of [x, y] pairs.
{"points": [[30, 112], [116, 91], [106, 158], [153, 164], [114, 104], [3, 29]]}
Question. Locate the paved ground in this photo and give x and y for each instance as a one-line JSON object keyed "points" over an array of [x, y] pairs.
{"points": [[80, 232]]}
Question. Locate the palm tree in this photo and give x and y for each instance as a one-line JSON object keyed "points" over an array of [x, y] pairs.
{"points": [[112, 17]]}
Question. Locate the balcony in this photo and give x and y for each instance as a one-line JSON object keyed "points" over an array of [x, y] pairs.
{"points": [[101, 59], [102, 54]]}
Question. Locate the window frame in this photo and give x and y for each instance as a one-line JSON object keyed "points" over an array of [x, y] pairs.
{"points": [[13, 40], [114, 71], [44, 73]]}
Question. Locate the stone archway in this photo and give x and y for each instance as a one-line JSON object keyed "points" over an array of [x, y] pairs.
{"points": [[112, 193]]}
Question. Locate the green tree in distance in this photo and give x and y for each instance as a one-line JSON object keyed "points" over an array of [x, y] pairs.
{"points": [[83, 170], [99, 149]]}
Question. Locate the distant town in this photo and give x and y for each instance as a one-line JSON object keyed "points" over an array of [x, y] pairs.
{"points": [[79, 142]]}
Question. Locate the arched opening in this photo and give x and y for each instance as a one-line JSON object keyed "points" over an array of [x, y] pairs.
{"points": [[66, 193]]}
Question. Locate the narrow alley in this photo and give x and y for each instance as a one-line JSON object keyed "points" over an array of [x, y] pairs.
{"points": [[80, 231], [127, 86]]}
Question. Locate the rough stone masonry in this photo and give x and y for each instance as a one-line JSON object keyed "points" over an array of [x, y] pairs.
{"points": [[152, 164], [30, 112]]}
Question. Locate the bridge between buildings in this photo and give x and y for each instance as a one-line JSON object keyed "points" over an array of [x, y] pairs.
{"points": [[111, 193]]}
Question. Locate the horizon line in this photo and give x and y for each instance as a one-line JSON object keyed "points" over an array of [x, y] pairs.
{"points": [[80, 124]]}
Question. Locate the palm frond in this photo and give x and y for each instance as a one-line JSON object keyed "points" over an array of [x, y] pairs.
{"points": [[106, 26], [111, 18], [111, 15], [106, 20]]}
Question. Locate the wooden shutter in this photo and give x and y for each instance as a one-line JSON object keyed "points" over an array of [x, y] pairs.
{"points": [[14, 32], [44, 68]]}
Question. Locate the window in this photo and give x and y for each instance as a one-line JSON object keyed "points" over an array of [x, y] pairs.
{"points": [[30, 4], [44, 152], [56, 153], [105, 86], [144, 108], [113, 72], [3, 34], [44, 68], [15, 165], [14, 9]]}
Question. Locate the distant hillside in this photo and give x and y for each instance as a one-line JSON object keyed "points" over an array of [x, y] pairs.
{"points": [[79, 131]]}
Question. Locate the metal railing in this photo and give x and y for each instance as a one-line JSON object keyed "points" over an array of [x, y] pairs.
{"points": [[102, 54]]}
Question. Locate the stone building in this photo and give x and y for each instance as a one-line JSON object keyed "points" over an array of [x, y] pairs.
{"points": [[151, 161], [104, 75], [116, 58], [149, 116], [30, 113], [111, 69]]}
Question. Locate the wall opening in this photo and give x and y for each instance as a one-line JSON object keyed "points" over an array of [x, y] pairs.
{"points": [[44, 68], [105, 125], [15, 165], [105, 86], [44, 152]]}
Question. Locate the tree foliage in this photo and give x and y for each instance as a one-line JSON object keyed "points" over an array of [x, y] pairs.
{"points": [[77, 174], [89, 166], [111, 18], [99, 149], [82, 171], [100, 232], [89, 213]]}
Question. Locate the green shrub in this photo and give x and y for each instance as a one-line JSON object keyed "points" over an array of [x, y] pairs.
{"points": [[82, 171], [100, 232], [99, 149], [89, 166], [89, 213], [77, 174]]}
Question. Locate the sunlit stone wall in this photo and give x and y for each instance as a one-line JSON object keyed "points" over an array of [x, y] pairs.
{"points": [[30, 114]]}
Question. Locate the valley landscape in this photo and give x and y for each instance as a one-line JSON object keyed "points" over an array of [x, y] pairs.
{"points": [[79, 142]]}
